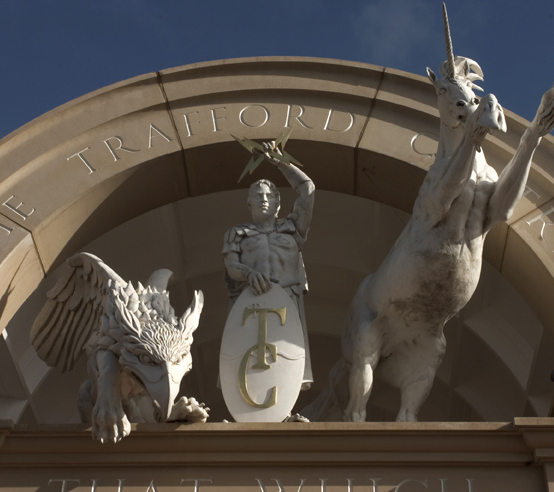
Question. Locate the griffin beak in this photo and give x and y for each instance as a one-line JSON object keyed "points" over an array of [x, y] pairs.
{"points": [[163, 392]]}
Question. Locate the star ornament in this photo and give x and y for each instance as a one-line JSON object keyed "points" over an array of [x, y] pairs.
{"points": [[277, 153]]}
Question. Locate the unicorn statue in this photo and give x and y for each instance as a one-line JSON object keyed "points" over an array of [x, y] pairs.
{"points": [[396, 320]]}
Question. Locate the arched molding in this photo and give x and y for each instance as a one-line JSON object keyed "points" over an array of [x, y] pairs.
{"points": [[100, 160]]}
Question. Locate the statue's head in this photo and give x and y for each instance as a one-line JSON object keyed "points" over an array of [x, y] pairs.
{"points": [[456, 99], [263, 199], [156, 345]]}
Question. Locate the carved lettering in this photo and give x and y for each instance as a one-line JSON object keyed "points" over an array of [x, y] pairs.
{"points": [[261, 346], [280, 485], [529, 190], [188, 122], [16, 210], [152, 487], [6, 228], [415, 138], [215, 118], [196, 482], [444, 488], [261, 484], [112, 150], [119, 486], [64, 481], [401, 484], [297, 117], [282, 489], [243, 111], [83, 160], [159, 134], [374, 482], [544, 223], [323, 484], [328, 122], [350, 484]]}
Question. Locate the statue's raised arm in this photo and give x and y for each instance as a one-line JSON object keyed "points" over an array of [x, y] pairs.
{"points": [[510, 185], [304, 186], [260, 266], [267, 250]]}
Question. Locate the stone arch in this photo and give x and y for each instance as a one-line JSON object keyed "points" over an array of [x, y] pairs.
{"points": [[164, 138]]}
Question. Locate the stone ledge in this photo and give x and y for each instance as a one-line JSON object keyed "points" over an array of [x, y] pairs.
{"points": [[314, 444]]}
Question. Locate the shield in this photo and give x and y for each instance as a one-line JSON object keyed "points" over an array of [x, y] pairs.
{"points": [[261, 363]]}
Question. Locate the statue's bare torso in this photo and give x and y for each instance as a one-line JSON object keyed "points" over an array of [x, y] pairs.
{"points": [[275, 254]]}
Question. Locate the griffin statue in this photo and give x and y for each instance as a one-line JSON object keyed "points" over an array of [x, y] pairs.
{"points": [[137, 350]]}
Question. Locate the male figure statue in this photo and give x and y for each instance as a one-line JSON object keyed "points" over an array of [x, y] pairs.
{"points": [[268, 250]]}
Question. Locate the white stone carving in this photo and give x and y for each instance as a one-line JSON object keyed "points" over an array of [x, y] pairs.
{"points": [[397, 316], [262, 356], [267, 251], [138, 351]]}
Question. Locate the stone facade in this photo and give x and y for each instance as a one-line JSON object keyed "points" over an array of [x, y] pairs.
{"points": [[133, 163]]}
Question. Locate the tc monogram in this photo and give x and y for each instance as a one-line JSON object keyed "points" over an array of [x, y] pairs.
{"points": [[261, 346]]}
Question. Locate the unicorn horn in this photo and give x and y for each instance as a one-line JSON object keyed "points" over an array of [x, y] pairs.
{"points": [[448, 39]]}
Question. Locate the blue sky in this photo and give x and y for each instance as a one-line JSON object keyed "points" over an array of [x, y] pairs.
{"points": [[57, 50]]}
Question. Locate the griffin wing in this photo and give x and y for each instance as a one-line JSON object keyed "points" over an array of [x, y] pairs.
{"points": [[73, 310]]}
